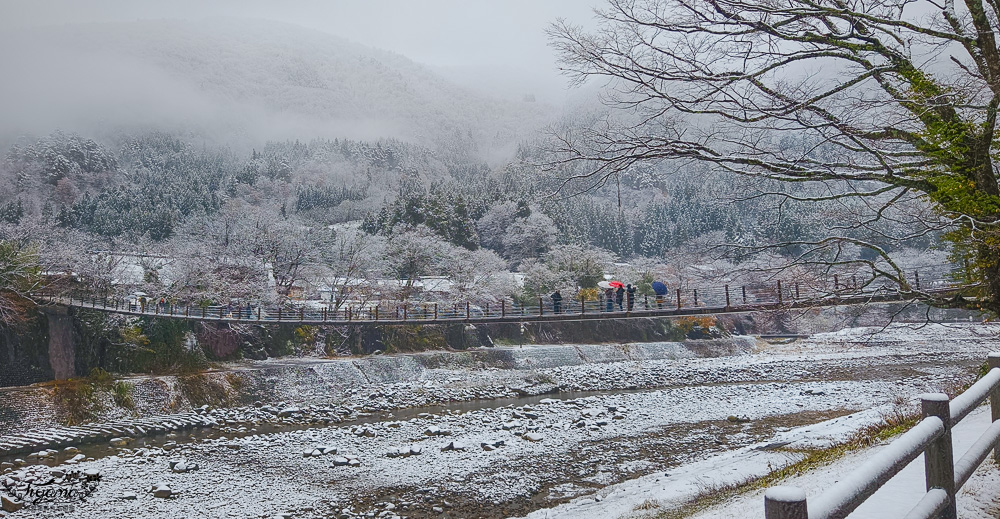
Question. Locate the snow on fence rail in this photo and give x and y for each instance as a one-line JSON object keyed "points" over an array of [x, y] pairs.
{"points": [[932, 437]]}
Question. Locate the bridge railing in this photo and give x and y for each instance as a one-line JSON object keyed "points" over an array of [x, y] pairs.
{"points": [[930, 437], [681, 300]]}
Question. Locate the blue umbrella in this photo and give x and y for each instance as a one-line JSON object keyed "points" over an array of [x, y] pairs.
{"points": [[659, 288]]}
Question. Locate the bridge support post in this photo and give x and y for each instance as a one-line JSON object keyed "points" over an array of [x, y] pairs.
{"points": [[62, 348]]}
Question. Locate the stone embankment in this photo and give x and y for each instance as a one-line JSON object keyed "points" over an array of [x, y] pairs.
{"points": [[62, 437], [316, 391]]}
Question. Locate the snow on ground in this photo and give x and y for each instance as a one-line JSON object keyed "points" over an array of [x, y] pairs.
{"points": [[679, 485], [979, 498], [660, 430]]}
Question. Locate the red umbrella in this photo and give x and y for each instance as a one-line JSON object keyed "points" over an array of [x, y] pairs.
{"points": [[616, 284]]}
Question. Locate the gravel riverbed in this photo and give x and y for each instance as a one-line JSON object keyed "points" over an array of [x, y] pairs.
{"points": [[497, 443]]}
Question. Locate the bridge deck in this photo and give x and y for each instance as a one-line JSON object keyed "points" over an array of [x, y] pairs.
{"points": [[433, 314]]}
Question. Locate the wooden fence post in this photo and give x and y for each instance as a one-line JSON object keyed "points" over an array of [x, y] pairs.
{"points": [[696, 297], [583, 304], [503, 308], [678, 299], [540, 307], [405, 310], [916, 279], [744, 294], [435, 311], [258, 311], [939, 460], [796, 291], [779, 292], [467, 308], [727, 296], [785, 503], [836, 283], [993, 361]]}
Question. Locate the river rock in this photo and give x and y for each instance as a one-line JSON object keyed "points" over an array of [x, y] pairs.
{"points": [[120, 442], [162, 490], [340, 461], [288, 411], [454, 446], [416, 450], [533, 437], [395, 452], [513, 424], [9, 504]]}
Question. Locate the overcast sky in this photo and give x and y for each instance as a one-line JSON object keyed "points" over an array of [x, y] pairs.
{"points": [[503, 35]]}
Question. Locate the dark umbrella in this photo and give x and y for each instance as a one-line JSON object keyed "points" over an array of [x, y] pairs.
{"points": [[659, 288]]}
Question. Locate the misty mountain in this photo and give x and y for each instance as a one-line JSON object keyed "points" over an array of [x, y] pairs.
{"points": [[243, 81]]}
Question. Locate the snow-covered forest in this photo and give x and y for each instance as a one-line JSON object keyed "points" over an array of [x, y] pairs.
{"points": [[456, 185]]}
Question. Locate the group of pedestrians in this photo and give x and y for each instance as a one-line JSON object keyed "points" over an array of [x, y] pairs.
{"points": [[623, 297]]}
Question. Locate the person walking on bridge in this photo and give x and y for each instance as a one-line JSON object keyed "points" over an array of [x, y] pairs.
{"points": [[609, 299], [630, 296], [620, 297], [556, 302]]}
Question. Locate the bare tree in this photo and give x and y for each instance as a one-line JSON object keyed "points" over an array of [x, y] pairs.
{"points": [[353, 263], [887, 108]]}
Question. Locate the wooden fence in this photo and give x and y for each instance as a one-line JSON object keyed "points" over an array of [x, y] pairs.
{"points": [[931, 437]]}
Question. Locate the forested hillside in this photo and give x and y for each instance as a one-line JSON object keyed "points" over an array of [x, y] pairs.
{"points": [[452, 183]]}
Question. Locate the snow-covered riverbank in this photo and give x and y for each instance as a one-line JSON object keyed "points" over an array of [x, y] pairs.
{"points": [[646, 419]]}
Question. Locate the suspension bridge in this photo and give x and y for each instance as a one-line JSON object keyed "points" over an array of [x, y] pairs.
{"points": [[677, 303]]}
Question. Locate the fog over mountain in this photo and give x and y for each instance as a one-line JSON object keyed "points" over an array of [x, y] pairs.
{"points": [[244, 81]]}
